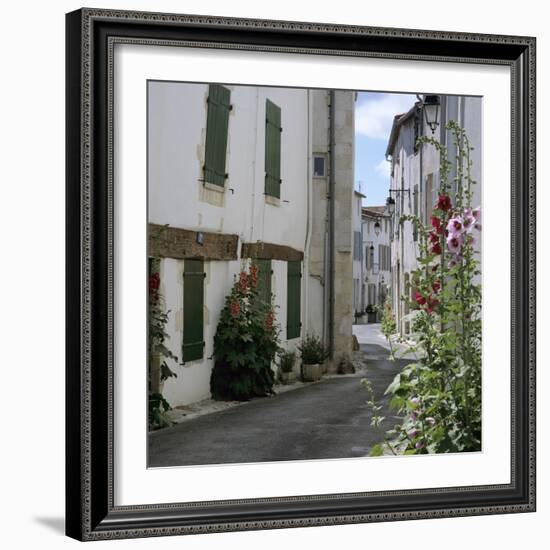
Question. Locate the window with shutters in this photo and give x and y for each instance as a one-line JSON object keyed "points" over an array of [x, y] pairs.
{"points": [[264, 279], [272, 149], [217, 123], [294, 300], [193, 314]]}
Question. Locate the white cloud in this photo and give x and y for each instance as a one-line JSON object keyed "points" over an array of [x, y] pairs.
{"points": [[374, 116], [383, 169]]}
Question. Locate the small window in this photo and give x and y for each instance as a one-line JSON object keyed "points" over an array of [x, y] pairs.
{"points": [[319, 169]]}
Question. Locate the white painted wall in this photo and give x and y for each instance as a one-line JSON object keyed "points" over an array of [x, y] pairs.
{"points": [[177, 133], [177, 130]]}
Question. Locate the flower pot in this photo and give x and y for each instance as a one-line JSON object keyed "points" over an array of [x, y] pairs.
{"points": [[287, 377], [312, 373]]}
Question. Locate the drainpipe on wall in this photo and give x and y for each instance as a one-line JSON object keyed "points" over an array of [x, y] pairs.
{"points": [[309, 215], [331, 239]]}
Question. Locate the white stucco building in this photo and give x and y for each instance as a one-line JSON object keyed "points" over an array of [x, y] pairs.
{"points": [[239, 173], [376, 224], [415, 182]]}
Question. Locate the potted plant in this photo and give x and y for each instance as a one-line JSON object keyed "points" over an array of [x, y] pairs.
{"points": [[313, 357], [371, 313], [286, 365]]}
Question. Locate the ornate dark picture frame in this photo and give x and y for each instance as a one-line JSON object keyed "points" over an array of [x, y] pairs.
{"points": [[90, 510]]}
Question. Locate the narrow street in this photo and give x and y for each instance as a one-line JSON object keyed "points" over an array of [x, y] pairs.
{"points": [[328, 419]]}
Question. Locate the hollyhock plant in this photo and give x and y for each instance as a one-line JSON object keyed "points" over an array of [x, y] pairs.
{"points": [[438, 396], [245, 344]]}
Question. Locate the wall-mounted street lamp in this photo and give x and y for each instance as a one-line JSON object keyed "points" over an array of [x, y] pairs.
{"points": [[377, 227], [431, 104], [390, 201], [390, 205]]}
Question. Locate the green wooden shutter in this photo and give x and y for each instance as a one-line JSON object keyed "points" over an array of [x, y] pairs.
{"points": [[294, 300], [216, 134], [193, 300], [272, 149], [264, 279]]}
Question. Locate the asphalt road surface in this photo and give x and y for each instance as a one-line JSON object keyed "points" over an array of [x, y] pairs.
{"points": [[328, 419]]}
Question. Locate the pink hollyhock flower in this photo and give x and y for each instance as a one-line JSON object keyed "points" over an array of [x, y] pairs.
{"points": [[454, 243], [419, 445], [455, 226], [468, 220], [412, 433], [476, 213], [477, 226]]}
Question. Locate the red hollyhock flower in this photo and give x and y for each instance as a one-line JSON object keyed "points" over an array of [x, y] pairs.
{"points": [[243, 281], [436, 223], [436, 287], [235, 309], [444, 203], [431, 304], [433, 237], [253, 275], [154, 281], [436, 248], [420, 300], [268, 322]]}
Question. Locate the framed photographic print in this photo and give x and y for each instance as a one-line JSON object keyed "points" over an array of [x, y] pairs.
{"points": [[300, 274]]}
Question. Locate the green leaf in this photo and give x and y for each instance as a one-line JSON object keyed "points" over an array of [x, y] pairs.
{"points": [[377, 450]]}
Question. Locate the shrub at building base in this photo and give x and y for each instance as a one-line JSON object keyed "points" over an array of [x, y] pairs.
{"points": [[245, 344], [286, 366], [313, 357]]}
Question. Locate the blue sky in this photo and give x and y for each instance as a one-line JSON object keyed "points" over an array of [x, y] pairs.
{"points": [[374, 112]]}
